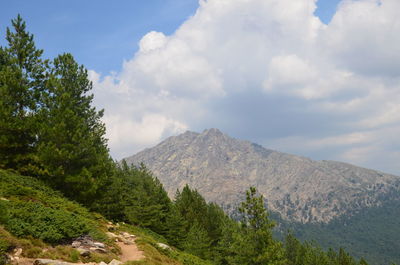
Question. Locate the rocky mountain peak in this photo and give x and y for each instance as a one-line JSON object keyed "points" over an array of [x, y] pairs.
{"points": [[213, 132], [221, 168]]}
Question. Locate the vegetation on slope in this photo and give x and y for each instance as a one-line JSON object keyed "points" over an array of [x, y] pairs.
{"points": [[371, 233], [35, 217]]}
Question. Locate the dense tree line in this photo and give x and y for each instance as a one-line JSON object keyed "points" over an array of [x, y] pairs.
{"points": [[50, 130]]}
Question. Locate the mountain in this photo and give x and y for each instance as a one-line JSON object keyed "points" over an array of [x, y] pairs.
{"points": [[221, 168], [333, 203]]}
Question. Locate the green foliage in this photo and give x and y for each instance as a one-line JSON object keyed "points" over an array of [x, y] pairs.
{"points": [[298, 253], [197, 241], [72, 147], [4, 246], [74, 255], [33, 252], [35, 210], [21, 78], [134, 196], [3, 212], [175, 228], [48, 126], [39, 221], [363, 234], [202, 222], [252, 243]]}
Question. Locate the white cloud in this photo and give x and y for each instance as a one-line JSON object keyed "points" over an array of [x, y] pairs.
{"points": [[125, 133], [363, 37], [152, 41], [310, 87]]}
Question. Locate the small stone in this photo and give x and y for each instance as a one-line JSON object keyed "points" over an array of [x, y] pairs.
{"points": [[163, 246], [76, 244], [83, 252], [98, 250], [126, 235], [111, 235], [102, 263], [115, 262], [18, 252], [99, 245]]}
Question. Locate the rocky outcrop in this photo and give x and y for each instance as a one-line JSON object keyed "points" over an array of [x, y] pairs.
{"points": [[221, 168], [85, 245]]}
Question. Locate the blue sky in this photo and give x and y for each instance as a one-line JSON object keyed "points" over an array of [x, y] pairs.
{"points": [[100, 34], [318, 79]]}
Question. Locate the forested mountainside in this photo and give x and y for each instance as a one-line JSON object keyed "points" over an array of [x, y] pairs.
{"points": [[371, 233], [333, 203], [299, 189]]}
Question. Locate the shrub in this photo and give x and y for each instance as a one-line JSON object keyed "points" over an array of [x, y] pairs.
{"points": [[74, 255], [33, 252], [3, 212], [51, 225]]}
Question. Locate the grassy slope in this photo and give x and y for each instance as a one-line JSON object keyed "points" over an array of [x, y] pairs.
{"points": [[36, 218]]}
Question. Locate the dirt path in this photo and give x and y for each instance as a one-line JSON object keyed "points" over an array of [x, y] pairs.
{"points": [[130, 252]]}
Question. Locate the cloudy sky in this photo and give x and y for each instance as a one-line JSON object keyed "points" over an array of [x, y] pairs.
{"points": [[314, 78]]}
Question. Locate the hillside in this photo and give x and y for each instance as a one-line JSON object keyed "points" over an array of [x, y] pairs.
{"points": [[38, 223], [332, 203], [299, 189], [371, 233]]}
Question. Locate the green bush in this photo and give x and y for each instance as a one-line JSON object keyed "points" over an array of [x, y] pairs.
{"points": [[4, 246], [33, 252], [3, 259], [74, 255], [32, 209], [50, 225], [3, 212]]}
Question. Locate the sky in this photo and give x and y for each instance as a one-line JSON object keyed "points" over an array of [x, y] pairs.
{"points": [[319, 79]]}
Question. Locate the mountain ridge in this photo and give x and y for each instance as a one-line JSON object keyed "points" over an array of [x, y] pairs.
{"points": [[298, 188]]}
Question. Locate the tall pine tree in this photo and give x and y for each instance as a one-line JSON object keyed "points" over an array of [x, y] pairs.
{"points": [[22, 74], [254, 244], [72, 145]]}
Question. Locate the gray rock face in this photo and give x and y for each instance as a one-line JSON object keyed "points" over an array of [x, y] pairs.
{"points": [[300, 189]]}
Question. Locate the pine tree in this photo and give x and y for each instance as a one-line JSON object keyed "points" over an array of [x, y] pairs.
{"points": [[363, 262], [22, 73], [192, 206], [255, 245], [197, 241], [344, 258], [226, 248], [72, 146], [175, 224], [292, 249]]}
